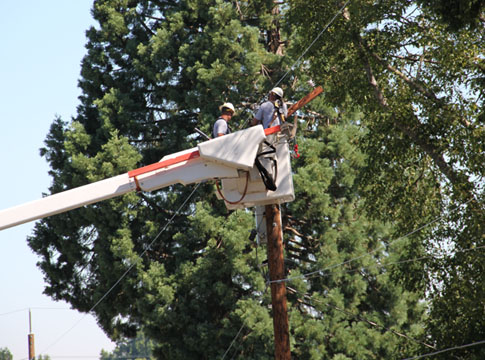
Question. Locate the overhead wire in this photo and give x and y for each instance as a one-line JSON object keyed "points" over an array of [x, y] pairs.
{"points": [[320, 271], [292, 67], [313, 42], [127, 270], [459, 347], [32, 308], [363, 319], [233, 341]]}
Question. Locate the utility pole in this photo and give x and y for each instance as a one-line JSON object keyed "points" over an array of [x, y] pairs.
{"points": [[278, 289], [31, 339]]}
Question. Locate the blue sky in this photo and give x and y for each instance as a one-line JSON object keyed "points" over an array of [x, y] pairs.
{"points": [[41, 50]]}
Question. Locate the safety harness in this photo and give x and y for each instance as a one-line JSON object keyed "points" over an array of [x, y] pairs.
{"points": [[268, 181]]}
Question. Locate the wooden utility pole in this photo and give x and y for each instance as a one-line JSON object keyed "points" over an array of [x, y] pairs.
{"points": [[278, 289], [31, 339]]}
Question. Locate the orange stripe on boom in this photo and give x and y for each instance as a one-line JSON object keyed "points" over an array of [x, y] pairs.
{"points": [[185, 157], [272, 130], [162, 164]]}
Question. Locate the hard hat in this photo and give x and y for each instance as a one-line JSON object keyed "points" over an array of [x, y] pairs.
{"points": [[277, 91], [227, 105]]}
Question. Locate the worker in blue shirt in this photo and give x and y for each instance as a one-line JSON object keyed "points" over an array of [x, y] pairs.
{"points": [[271, 112], [220, 126]]}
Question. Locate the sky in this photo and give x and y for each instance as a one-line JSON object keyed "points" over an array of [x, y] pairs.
{"points": [[41, 48]]}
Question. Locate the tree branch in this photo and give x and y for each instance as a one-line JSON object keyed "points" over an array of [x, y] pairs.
{"points": [[456, 179]]}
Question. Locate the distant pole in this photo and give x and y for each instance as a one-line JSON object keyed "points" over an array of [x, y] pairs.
{"points": [[31, 339], [278, 289]]}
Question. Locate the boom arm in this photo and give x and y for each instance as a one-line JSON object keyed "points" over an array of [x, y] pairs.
{"points": [[222, 158], [230, 157]]}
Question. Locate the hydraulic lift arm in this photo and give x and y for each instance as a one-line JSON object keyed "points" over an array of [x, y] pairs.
{"points": [[230, 158], [226, 157]]}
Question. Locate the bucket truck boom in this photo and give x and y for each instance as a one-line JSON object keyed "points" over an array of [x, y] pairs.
{"points": [[230, 158]]}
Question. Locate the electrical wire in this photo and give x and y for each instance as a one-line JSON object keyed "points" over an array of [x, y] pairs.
{"points": [[319, 272], [407, 260], [243, 325], [32, 308], [127, 271], [305, 51], [313, 42], [446, 350], [233, 341], [363, 319]]}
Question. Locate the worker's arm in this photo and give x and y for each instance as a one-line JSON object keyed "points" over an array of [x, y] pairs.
{"points": [[255, 122]]}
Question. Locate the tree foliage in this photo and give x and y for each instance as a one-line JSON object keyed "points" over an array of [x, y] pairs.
{"points": [[396, 141], [135, 348], [5, 354], [458, 13], [420, 88]]}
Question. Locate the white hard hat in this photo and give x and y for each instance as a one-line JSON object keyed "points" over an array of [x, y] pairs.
{"points": [[227, 105], [277, 91]]}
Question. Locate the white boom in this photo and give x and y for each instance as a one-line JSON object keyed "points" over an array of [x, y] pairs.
{"points": [[230, 157]]}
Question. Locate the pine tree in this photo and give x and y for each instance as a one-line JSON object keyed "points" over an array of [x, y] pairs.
{"points": [[155, 70], [350, 305]]}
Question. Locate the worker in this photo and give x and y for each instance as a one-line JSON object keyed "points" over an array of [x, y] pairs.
{"points": [[220, 126], [273, 111]]}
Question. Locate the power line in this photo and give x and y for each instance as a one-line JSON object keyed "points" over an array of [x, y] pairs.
{"points": [[243, 325], [233, 341], [412, 260], [306, 50], [446, 350], [32, 308], [319, 272], [127, 271], [363, 319], [313, 42]]}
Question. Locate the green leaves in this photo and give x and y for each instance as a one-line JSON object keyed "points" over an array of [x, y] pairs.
{"points": [[414, 80], [395, 142]]}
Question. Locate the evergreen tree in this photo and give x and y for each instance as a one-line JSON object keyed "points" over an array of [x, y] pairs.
{"points": [[5, 354], [136, 348], [155, 70]]}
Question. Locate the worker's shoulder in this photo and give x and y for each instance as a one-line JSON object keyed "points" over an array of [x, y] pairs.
{"points": [[268, 104]]}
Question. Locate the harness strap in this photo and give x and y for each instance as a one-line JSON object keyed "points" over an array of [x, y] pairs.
{"points": [[269, 182]]}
